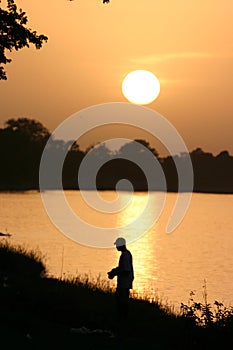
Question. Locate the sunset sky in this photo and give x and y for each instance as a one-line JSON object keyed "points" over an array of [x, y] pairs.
{"points": [[187, 44]]}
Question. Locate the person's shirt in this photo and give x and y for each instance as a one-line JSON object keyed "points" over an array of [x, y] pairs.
{"points": [[125, 273]]}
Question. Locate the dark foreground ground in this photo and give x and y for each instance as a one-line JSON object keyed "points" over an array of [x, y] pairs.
{"points": [[37, 312]]}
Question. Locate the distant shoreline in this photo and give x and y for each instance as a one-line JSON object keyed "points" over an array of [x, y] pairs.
{"points": [[109, 189]]}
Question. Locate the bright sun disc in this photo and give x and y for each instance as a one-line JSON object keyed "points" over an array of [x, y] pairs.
{"points": [[141, 87]]}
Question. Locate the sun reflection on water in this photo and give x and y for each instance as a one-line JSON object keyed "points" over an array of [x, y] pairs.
{"points": [[133, 210]]}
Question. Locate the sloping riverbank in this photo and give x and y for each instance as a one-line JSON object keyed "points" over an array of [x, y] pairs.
{"points": [[40, 312]]}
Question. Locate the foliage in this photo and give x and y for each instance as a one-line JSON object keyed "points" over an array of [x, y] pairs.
{"points": [[30, 128], [22, 142], [139, 146], [207, 315], [14, 33]]}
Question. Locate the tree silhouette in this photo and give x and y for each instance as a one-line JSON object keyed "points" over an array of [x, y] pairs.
{"points": [[138, 146], [14, 35], [31, 129], [123, 165], [212, 174], [21, 144], [71, 165]]}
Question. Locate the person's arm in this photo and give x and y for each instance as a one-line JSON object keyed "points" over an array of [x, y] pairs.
{"points": [[117, 271], [113, 273]]}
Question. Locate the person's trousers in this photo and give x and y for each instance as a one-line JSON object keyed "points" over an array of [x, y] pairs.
{"points": [[122, 303]]}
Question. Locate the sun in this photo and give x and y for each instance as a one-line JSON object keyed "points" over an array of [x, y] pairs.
{"points": [[141, 87]]}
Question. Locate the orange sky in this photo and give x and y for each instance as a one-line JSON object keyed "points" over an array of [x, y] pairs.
{"points": [[187, 44]]}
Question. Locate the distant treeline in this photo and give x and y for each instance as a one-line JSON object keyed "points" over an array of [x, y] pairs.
{"points": [[22, 142]]}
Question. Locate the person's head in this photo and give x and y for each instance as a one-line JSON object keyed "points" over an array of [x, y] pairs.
{"points": [[120, 243]]}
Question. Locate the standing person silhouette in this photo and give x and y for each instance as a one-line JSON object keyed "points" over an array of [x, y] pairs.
{"points": [[125, 275]]}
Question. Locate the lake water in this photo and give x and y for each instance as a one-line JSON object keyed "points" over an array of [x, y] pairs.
{"points": [[170, 265]]}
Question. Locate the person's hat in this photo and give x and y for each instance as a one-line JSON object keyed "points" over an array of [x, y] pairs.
{"points": [[120, 241]]}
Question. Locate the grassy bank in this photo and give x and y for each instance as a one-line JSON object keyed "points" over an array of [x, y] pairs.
{"points": [[37, 311]]}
